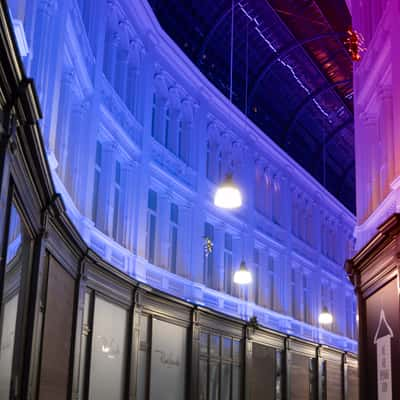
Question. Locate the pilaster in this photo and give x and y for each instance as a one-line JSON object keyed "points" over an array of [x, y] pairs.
{"points": [[164, 206], [127, 221], [106, 185], [60, 137], [219, 272], [184, 240]]}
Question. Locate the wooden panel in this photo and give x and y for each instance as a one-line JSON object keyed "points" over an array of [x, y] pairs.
{"points": [[263, 373], [333, 381], [299, 386], [57, 334], [352, 383], [382, 309]]}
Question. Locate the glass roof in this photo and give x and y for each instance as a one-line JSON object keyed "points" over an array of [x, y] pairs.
{"points": [[300, 89]]}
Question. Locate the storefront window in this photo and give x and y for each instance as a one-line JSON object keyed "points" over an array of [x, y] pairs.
{"points": [[14, 257], [168, 361], [219, 367], [108, 351], [143, 358]]}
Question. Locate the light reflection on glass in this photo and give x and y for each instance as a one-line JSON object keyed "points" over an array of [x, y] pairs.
{"points": [[9, 303]]}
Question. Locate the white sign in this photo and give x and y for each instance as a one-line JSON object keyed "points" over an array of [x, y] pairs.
{"points": [[383, 358]]}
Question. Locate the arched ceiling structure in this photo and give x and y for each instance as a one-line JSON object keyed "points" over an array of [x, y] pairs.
{"points": [[300, 87]]}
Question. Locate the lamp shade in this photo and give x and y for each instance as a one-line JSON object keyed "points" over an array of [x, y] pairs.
{"points": [[325, 318], [242, 276], [228, 194]]}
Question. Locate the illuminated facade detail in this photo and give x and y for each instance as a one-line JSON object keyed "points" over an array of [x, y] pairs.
{"points": [[377, 123], [137, 140]]}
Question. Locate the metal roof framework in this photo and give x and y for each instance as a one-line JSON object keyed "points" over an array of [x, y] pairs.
{"points": [[300, 74]]}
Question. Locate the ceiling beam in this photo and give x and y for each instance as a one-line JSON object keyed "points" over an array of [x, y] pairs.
{"points": [[282, 53], [328, 138], [225, 12], [310, 97], [349, 168]]}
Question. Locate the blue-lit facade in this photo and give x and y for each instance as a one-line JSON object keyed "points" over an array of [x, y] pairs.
{"points": [[137, 140]]}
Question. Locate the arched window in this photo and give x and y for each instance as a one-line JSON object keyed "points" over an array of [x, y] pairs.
{"points": [[132, 89], [208, 254], [160, 117], [271, 282], [306, 300], [323, 238], [96, 188], [294, 213], [184, 130], [309, 231], [173, 237], [110, 50], [219, 163], [154, 116], [167, 126], [121, 69], [208, 161], [151, 226], [276, 201], [116, 222], [257, 275], [228, 263], [260, 189], [293, 292]]}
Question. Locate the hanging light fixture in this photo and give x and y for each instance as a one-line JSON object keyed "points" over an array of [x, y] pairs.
{"points": [[228, 194], [325, 318], [242, 276]]}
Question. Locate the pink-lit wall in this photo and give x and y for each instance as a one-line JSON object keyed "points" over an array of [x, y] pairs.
{"points": [[377, 114]]}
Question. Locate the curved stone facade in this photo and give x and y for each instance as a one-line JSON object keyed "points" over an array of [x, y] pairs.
{"points": [[73, 326], [137, 139]]}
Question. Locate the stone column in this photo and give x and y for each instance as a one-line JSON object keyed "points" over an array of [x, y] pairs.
{"points": [[76, 138], [127, 213], [269, 191], [110, 53], [185, 141], [263, 285], [184, 240], [173, 132], [387, 134], [285, 209], [319, 243], [372, 132], [42, 42], [258, 170], [131, 91], [197, 124], [83, 146], [219, 273], [315, 224], [213, 136], [196, 253], [59, 141], [164, 206], [121, 75]]}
